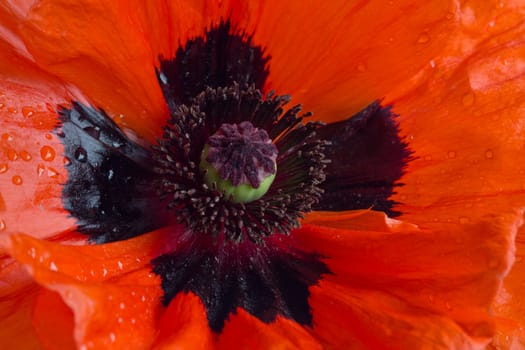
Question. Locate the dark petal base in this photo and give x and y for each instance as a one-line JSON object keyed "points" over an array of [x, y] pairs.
{"points": [[109, 188], [265, 280], [218, 59], [367, 158]]}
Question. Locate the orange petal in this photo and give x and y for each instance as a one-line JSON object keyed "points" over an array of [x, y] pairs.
{"points": [[463, 118], [99, 262], [337, 58], [17, 297], [103, 53], [409, 287], [509, 305], [243, 331], [53, 321], [111, 309], [31, 162], [184, 325]]}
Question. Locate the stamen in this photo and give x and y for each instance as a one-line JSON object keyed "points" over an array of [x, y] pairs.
{"points": [[216, 117]]}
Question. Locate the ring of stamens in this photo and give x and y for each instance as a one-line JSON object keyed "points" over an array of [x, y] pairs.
{"points": [[205, 209]]}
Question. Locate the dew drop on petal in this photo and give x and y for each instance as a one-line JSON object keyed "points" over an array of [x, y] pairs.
{"points": [[40, 169], [47, 153], [81, 155], [120, 266], [12, 110], [451, 154], [25, 155], [3, 168], [12, 155], [53, 266], [27, 111], [17, 180], [468, 99], [49, 136], [423, 38], [122, 306], [464, 220], [66, 161], [489, 154], [112, 337], [2, 225], [52, 172], [7, 137]]}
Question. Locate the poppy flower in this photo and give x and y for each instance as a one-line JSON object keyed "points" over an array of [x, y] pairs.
{"points": [[160, 190]]}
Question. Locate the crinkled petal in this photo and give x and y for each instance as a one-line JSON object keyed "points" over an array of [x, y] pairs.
{"points": [[114, 296], [463, 118], [409, 287]]}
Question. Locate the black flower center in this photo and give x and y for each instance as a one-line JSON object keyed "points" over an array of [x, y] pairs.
{"points": [[231, 253], [206, 209]]}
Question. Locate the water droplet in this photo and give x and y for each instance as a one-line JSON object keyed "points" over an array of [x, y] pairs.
{"points": [[12, 155], [104, 272], [17, 180], [133, 321], [120, 265], [25, 155], [93, 131], [489, 154], [143, 298], [52, 172], [53, 266], [120, 320], [3, 168], [81, 155], [66, 161], [112, 337], [451, 154], [464, 220], [12, 110], [27, 111], [49, 136], [7, 137], [468, 99], [2, 225], [423, 38], [122, 306], [1, 105], [47, 153], [32, 252], [40, 168]]}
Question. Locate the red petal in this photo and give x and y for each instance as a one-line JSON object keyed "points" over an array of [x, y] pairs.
{"points": [[184, 325], [463, 120], [17, 297], [409, 287], [114, 296], [244, 331], [31, 162], [337, 58]]}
